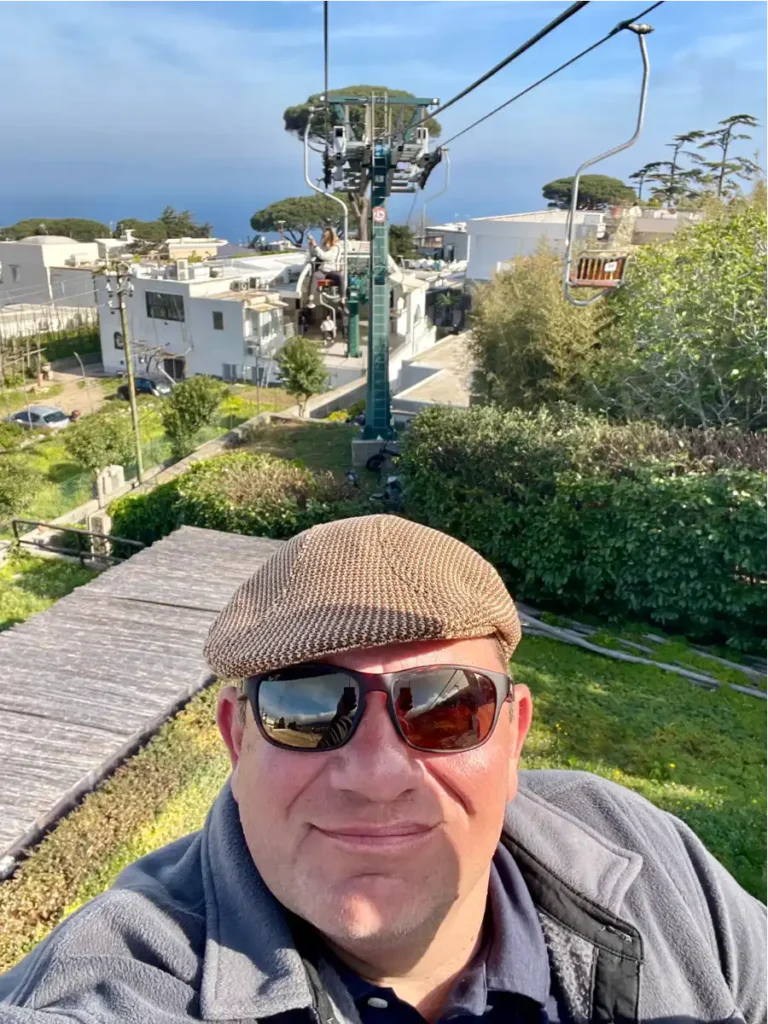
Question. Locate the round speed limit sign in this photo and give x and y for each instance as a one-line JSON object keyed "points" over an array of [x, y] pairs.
{"points": [[379, 214]]}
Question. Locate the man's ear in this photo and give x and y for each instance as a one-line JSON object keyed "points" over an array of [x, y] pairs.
{"points": [[521, 723], [231, 721]]}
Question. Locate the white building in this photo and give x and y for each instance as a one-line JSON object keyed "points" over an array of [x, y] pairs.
{"points": [[452, 241], [224, 321], [495, 241], [228, 318], [47, 268]]}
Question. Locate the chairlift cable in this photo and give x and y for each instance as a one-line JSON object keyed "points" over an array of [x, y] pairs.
{"points": [[326, 180], [589, 49], [523, 48]]}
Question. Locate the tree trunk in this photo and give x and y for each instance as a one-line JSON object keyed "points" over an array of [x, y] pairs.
{"points": [[724, 147]]}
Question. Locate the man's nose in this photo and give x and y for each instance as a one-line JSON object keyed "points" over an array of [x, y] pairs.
{"points": [[376, 763]]}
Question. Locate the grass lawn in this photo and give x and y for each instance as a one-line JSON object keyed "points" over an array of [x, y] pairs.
{"points": [[29, 584], [317, 444], [66, 485], [698, 754]]}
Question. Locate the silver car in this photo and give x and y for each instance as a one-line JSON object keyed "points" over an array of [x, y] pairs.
{"points": [[40, 417]]}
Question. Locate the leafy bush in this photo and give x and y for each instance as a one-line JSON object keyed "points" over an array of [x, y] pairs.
{"points": [[616, 520], [236, 493], [528, 344], [338, 416], [191, 405], [102, 439], [19, 483], [686, 339], [302, 369], [11, 435], [64, 344]]}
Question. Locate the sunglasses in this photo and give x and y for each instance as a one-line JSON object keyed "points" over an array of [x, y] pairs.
{"points": [[437, 708]]}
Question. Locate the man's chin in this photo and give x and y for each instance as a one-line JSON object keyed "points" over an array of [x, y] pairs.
{"points": [[372, 909]]}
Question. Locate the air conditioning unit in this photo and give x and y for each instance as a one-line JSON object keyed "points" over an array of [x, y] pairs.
{"points": [[255, 282], [215, 272], [251, 350], [182, 270], [236, 286]]}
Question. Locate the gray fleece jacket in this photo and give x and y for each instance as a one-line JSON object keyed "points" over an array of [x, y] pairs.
{"points": [[641, 924]]}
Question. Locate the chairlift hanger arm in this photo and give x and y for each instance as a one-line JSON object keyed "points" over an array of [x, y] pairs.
{"points": [[328, 195], [640, 31]]}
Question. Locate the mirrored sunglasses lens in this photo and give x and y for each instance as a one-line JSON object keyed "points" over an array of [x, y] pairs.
{"points": [[445, 709], [313, 713]]}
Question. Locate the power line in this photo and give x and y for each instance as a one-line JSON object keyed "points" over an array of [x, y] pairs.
{"points": [[555, 23], [622, 25]]}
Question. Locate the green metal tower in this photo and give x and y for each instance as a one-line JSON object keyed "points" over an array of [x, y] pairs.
{"points": [[377, 412], [396, 161]]}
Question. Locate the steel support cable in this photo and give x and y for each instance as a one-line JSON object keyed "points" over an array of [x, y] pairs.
{"points": [[555, 23], [326, 168], [614, 31]]}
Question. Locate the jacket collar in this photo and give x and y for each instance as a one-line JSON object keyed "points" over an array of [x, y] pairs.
{"points": [[577, 855], [251, 967]]}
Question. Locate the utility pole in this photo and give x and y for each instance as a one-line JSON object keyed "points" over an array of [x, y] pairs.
{"points": [[124, 287]]}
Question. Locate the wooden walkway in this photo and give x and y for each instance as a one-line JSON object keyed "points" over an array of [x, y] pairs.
{"points": [[84, 683]]}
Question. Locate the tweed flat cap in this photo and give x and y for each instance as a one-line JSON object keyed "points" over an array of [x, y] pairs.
{"points": [[359, 582]]}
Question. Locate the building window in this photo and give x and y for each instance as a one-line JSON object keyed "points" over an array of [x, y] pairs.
{"points": [[15, 275], [165, 306], [117, 340], [218, 321], [230, 371]]}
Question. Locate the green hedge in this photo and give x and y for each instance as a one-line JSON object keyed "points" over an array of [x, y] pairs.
{"points": [[240, 492], [625, 522], [65, 344]]}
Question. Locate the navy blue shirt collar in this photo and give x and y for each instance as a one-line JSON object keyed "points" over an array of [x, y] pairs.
{"points": [[513, 960]]}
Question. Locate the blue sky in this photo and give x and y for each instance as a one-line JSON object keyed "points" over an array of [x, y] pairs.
{"points": [[115, 109]]}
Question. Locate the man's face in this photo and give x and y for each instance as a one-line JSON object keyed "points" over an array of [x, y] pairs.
{"points": [[325, 830]]}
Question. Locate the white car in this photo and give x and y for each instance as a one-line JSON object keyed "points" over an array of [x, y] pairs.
{"points": [[40, 417]]}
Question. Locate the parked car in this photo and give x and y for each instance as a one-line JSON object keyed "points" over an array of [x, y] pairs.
{"points": [[147, 384], [40, 417]]}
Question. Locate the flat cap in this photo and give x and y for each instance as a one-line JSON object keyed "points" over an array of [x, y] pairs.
{"points": [[359, 582]]}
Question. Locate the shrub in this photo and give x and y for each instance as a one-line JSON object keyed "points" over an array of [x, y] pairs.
{"points": [[338, 416], [686, 339], [528, 344], [191, 405], [302, 369], [61, 345], [146, 517], [621, 521], [102, 439], [19, 483], [239, 492], [11, 435]]}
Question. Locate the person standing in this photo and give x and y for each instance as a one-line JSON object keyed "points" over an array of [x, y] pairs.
{"points": [[304, 321], [328, 329]]}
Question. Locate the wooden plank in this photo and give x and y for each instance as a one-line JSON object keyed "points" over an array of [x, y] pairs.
{"points": [[86, 680]]}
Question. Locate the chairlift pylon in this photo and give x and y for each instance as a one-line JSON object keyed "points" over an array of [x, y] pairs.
{"points": [[601, 268]]}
